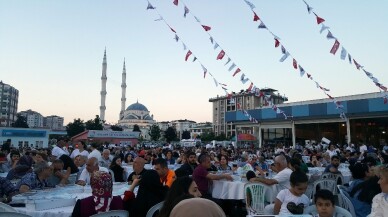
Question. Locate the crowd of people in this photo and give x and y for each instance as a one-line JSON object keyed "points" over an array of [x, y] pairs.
{"points": [[98, 165]]}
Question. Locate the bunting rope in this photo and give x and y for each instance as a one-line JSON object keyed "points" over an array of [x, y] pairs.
{"points": [[231, 64], [344, 52], [195, 58], [295, 63]]}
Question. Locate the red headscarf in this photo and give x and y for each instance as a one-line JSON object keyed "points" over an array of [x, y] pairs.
{"points": [[101, 183]]}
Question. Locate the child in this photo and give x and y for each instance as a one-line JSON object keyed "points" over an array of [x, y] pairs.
{"points": [[324, 201], [293, 200]]}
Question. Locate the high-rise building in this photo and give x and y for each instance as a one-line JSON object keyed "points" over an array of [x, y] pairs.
{"points": [[9, 97], [247, 101], [181, 126], [53, 122], [34, 119]]}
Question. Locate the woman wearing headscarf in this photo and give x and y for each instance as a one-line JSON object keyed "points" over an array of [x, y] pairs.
{"points": [[101, 199], [151, 191], [197, 207], [117, 169]]}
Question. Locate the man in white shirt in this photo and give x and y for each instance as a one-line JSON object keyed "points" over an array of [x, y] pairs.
{"points": [[58, 149], [91, 166], [80, 150], [363, 147], [95, 153], [282, 178]]}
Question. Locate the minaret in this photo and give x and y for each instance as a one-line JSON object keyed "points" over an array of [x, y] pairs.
{"points": [[103, 88], [123, 88]]}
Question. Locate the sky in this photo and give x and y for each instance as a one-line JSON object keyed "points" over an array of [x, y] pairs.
{"points": [[52, 51]]}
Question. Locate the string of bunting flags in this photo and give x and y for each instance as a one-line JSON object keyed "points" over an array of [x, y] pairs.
{"points": [[231, 65], [196, 59], [286, 54], [344, 53]]}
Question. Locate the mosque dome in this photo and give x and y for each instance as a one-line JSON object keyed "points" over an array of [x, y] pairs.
{"points": [[137, 106]]}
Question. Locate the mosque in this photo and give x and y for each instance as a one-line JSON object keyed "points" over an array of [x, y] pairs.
{"points": [[135, 114]]}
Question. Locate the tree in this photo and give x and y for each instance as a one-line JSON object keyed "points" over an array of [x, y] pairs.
{"points": [[136, 128], [21, 122], [95, 124], [221, 137], [75, 127], [155, 132], [207, 136], [186, 135], [116, 128], [170, 134]]}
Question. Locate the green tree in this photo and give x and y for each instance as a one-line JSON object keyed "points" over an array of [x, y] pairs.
{"points": [[186, 134], [95, 124], [155, 132], [221, 137], [207, 136], [75, 127], [116, 128], [21, 122], [136, 128], [170, 134]]}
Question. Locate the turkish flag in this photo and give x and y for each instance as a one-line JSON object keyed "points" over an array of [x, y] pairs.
{"points": [[237, 71], [319, 19], [221, 55], [187, 55], [295, 64], [277, 42], [335, 47], [250, 86], [207, 28], [175, 2], [255, 17]]}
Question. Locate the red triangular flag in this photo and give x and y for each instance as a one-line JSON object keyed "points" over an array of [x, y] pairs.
{"points": [[295, 64], [187, 55], [221, 55], [175, 2], [277, 42], [237, 71], [250, 87], [207, 28], [319, 19], [385, 100], [357, 65], [255, 17], [335, 47]]}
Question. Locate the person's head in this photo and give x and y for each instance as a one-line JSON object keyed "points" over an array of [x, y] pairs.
{"points": [[191, 157], [160, 165], [128, 158], [105, 154], [92, 165], [204, 160], [331, 147], [43, 169], [299, 183], [94, 146], [335, 161], [324, 201], [57, 165], [197, 207], [359, 170], [116, 161], [169, 154], [326, 156], [313, 158], [383, 181], [101, 183], [138, 164], [15, 155], [223, 160], [280, 162], [40, 156], [295, 164]]}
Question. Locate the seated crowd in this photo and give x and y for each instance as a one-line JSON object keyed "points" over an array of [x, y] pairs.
{"points": [[185, 189]]}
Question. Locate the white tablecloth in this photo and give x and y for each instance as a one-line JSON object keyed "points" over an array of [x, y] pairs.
{"points": [[231, 190], [67, 192]]}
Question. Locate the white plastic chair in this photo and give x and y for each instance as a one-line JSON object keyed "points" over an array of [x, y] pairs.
{"points": [[257, 195], [345, 202], [6, 208], [339, 212], [154, 208], [112, 174], [329, 184], [338, 177], [112, 213], [13, 214]]}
